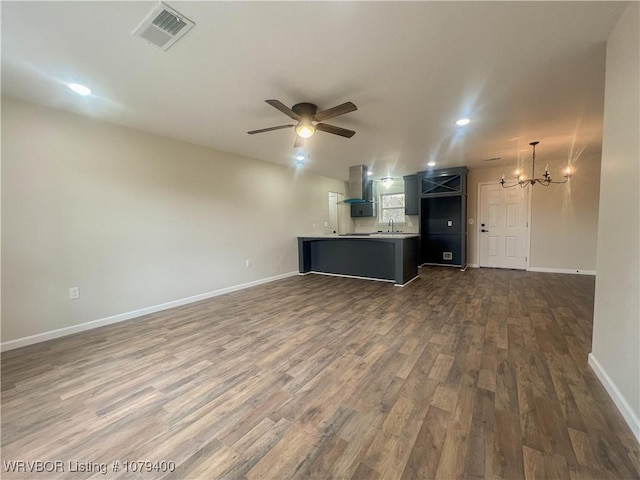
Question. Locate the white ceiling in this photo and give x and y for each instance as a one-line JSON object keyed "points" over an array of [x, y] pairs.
{"points": [[522, 71]]}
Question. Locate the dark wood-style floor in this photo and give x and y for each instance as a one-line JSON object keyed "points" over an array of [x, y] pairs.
{"points": [[477, 374]]}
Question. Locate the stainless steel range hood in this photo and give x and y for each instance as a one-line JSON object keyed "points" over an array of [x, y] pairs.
{"points": [[360, 190]]}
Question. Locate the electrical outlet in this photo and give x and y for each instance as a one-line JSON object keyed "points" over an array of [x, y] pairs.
{"points": [[247, 262], [449, 223], [74, 293], [447, 255], [471, 220], [326, 224]]}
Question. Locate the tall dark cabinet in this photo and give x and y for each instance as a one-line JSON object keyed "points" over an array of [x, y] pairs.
{"points": [[443, 216]]}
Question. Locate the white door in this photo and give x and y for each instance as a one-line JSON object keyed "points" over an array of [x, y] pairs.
{"points": [[339, 215], [502, 226]]}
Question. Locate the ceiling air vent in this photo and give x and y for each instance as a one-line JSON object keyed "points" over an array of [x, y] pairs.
{"points": [[163, 26]]}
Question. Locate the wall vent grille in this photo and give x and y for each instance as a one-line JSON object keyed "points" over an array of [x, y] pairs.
{"points": [[163, 26]]}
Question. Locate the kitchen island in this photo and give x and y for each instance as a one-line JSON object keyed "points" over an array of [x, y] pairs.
{"points": [[391, 257]]}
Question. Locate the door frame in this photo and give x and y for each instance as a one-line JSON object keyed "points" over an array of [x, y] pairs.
{"points": [[527, 257]]}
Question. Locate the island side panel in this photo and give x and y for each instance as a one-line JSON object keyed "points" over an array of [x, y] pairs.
{"points": [[409, 260], [358, 257], [304, 256]]}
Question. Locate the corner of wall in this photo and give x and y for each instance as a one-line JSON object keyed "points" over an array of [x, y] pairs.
{"points": [[617, 397]]}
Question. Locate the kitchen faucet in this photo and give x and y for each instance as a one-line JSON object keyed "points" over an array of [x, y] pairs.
{"points": [[391, 224]]}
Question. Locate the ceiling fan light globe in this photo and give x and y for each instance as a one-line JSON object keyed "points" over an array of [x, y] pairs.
{"points": [[305, 130]]}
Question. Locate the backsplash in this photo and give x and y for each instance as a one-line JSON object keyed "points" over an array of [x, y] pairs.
{"points": [[367, 225]]}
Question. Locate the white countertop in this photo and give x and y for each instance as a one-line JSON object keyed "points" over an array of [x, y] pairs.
{"points": [[366, 235]]}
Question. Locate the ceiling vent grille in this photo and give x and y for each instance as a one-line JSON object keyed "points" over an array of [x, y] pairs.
{"points": [[163, 26]]}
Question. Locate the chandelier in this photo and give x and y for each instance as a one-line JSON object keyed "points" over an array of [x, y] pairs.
{"points": [[545, 180]]}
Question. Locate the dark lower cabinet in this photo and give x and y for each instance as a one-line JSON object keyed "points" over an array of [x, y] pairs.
{"points": [[391, 258], [442, 250]]}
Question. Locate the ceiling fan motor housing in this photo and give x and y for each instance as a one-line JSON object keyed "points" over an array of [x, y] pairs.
{"points": [[305, 110]]}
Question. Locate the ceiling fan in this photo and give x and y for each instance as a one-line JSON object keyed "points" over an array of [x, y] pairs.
{"points": [[309, 119]]}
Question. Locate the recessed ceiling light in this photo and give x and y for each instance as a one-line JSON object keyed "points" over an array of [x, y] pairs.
{"points": [[80, 89], [431, 164], [300, 156], [463, 121]]}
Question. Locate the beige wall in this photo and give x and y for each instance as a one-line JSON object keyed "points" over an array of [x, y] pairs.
{"points": [[135, 220], [616, 330], [564, 218]]}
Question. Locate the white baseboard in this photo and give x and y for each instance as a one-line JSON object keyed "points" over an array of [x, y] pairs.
{"points": [[625, 409], [473, 265], [348, 276], [360, 278], [562, 270], [62, 332]]}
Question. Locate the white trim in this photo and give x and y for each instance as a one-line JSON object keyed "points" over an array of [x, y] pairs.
{"points": [[622, 404], [349, 276], [442, 265], [62, 332], [406, 283], [361, 278], [562, 270], [473, 265]]}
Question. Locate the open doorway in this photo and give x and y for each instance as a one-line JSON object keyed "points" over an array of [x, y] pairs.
{"points": [[337, 215]]}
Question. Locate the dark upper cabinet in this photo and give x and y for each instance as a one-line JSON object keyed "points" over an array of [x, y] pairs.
{"points": [[411, 197], [442, 182]]}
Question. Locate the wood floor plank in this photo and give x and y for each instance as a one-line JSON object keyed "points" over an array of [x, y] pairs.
{"points": [[425, 456], [476, 374]]}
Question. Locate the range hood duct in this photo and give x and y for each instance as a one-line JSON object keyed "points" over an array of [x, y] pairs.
{"points": [[360, 190]]}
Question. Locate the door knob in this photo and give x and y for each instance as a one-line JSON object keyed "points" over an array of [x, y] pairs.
{"points": [[483, 230]]}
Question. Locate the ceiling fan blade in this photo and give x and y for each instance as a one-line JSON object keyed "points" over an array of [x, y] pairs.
{"points": [[269, 129], [283, 108], [343, 132], [335, 111], [299, 142]]}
